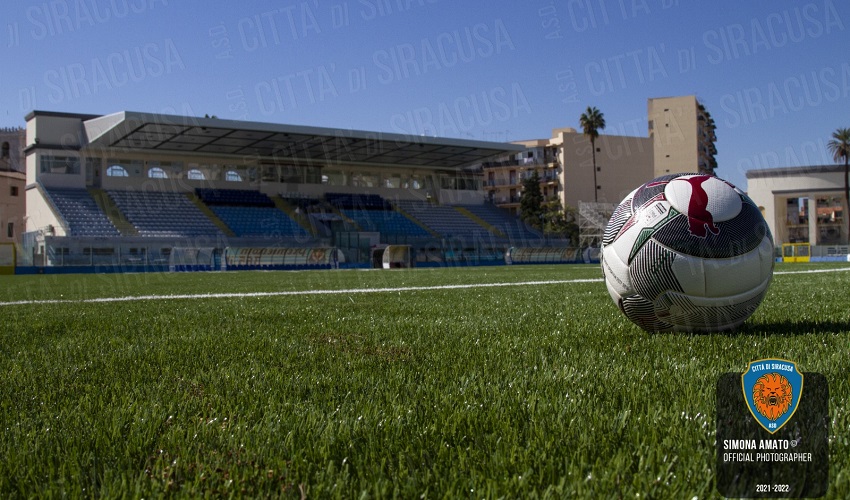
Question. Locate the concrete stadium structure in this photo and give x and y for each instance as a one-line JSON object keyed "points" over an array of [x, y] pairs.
{"points": [[129, 187]]}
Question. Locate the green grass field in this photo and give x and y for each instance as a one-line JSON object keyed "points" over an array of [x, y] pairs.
{"points": [[474, 391]]}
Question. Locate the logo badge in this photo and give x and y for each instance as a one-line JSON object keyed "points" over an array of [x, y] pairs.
{"points": [[772, 390]]}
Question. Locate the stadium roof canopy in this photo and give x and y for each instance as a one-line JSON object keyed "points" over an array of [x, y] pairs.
{"points": [[147, 132]]}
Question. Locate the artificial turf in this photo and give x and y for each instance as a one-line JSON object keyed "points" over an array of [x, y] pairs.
{"points": [[430, 383]]}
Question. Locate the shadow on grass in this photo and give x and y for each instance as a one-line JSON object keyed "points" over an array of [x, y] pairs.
{"points": [[805, 327]]}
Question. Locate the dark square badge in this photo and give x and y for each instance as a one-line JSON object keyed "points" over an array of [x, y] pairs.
{"points": [[758, 459]]}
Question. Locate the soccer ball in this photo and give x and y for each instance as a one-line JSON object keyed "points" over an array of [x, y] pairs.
{"points": [[687, 252]]}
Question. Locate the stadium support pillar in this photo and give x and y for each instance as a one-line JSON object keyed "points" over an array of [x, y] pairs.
{"points": [[812, 210]]}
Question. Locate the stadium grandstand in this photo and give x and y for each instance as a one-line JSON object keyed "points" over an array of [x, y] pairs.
{"points": [[138, 191]]}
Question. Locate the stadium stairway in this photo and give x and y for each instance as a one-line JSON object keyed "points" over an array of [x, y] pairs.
{"points": [[298, 217], [348, 220], [210, 214], [113, 213], [498, 232]]}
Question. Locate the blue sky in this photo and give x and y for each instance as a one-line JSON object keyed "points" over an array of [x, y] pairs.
{"points": [[774, 75]]}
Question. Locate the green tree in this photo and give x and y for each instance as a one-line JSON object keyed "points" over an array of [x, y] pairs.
{"points": [[561, 221], [531, 203], [839, 146], [592, 121]]}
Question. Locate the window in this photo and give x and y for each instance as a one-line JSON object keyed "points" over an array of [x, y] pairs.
{"points": [[312, 175], [195, 175], [291, 174], [59, 164], [334, 178], [173, 167], [365, 179], [157, 173], [98, 251], [232, 176], [133, 168], [13, 190], [5, 153], [10, 230], [117, 171]]}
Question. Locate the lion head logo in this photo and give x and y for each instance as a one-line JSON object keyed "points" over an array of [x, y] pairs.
{"points": [[772, 395]]}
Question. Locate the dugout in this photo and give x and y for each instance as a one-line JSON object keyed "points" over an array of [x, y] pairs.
{"points": [[392, 257], [544, 255], [194, 259], [280, 258]]}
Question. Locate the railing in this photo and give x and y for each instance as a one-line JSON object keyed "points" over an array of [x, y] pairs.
{"points": [[596, 213]]}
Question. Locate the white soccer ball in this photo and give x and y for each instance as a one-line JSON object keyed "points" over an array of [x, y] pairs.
{"points": [[687, 252]]}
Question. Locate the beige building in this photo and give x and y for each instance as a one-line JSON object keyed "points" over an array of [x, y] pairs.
{"points": [[682, 134], [802, 204], [12, 206], [681, 139], [564, 164], [12, 183], [622, 164], [503, 178]]}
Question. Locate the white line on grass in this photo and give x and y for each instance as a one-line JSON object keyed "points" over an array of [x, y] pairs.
{"points": [[291, 292], [335, 292], [833, 270]]}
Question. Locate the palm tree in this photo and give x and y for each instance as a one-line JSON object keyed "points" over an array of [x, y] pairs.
{"points": [[592, 121], [839, 146]]}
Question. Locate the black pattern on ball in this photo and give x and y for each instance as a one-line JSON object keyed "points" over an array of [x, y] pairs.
{"points": [[621, 215], [736, 236], [652, 189]]}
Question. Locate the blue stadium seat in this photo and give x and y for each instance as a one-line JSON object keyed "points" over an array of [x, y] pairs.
{"points": [[387, 222], [234, 197], [257, 221], [163, 214], [513, 228], [443, 219], [82, 213]]}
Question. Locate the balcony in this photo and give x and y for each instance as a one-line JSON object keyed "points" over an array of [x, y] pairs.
{"points": [[525, 162], [547, 178], [502, 183]]}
